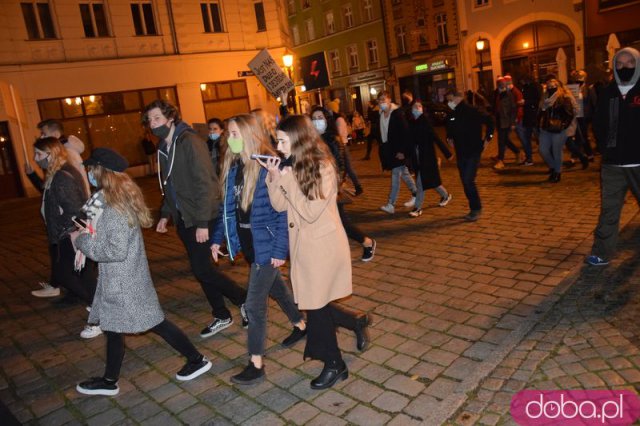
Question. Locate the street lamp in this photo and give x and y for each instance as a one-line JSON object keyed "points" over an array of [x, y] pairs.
{"points": [[287, 60], [480, 45]]}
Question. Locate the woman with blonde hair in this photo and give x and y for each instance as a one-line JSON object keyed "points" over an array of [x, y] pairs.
{"points": [[63, 194], [249, 224], [320, 257], [267, 124], [126, 301]]}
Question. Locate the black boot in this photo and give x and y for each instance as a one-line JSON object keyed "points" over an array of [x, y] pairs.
{"points": [[331, 373], [552, 176], [362, 335], [555, 178]]}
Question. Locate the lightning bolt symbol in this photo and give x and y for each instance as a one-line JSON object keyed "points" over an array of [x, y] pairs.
{"points": [[314, 72]]}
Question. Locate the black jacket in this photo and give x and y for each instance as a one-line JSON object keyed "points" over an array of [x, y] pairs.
{"points": [[531, 93], [616, 125], [191, 191], [464, 127], [422, 157], [397, 140]]}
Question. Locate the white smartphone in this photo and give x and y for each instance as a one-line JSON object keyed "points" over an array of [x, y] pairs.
{"points": [[263, 157]]}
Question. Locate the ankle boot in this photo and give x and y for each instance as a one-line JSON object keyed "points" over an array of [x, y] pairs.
{"points": [[362, 335], [331, 373], [555, 178]]}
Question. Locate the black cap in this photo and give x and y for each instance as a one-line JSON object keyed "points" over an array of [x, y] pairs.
{"points": [[107, 158]]}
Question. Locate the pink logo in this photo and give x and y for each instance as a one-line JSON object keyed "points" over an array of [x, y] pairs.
{"points": [[576, 407]]}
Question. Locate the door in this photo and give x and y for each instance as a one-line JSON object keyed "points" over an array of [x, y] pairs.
{"points": [[10, 186]]}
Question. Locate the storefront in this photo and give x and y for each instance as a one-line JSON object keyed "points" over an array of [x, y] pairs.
{"points": [[430, 79]]}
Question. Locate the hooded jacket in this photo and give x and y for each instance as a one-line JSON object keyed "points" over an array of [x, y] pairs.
{"points": [[189, 183], [617, 117]]}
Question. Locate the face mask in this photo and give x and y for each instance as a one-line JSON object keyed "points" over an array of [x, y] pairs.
{"points": [[416, 113], [626, 74], [384, 106], [235, 145], [552, 90], [92, 179], [44, 163], [214, 136], [320, 125], [452, 104], [162, 131]]}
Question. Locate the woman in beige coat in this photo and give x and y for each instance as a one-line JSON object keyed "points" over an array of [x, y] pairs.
{"points": [[320, 257]]}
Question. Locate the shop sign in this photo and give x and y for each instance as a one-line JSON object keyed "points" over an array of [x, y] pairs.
{"points": [[366, 77], [439, 65], [422, 67]]}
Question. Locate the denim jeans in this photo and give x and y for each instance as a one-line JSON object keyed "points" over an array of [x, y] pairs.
{"points": [[468, 168], [420, 192], [396, 174], [504, 142], [265, 280], [525, 133], [551, 145]]}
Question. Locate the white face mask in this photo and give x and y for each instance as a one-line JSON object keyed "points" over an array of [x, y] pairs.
{"points": [[452, 104], [320, 124]]}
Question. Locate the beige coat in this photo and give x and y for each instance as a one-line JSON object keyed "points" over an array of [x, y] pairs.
{"points": [[319, 249]]}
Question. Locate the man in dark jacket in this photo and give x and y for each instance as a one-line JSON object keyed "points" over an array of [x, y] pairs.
{"points": [[394, 137], [531, 93], [192, 198], [506, 109], [464, 131], [616, 126]]}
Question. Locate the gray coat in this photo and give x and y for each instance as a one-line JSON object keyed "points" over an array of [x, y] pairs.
{"points": [[125, 300]]}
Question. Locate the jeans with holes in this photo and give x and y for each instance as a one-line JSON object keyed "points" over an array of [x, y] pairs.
{"points": [[397, 173]]}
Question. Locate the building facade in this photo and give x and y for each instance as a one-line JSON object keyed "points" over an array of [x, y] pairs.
{"points": [[521, 37], [351, 34], [95, 64], [423, 39]]}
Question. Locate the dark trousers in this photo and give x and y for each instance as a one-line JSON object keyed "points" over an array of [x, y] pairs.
{"points": [[583, 131], [83, 283], [352, 230], [214, 284], [166, 329], [370, 140], [504, 142], [468, 168], [348, 167], [322, 342], [615, 182]]}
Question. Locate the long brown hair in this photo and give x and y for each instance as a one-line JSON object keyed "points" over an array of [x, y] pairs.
{"points": [[57, 155], [254, 142], [308, 154], [124, 195], [266, 122]]}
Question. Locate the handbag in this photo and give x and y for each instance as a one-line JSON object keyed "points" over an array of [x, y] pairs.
{"points": [[551, 124]]}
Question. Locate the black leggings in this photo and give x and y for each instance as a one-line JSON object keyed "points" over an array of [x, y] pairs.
{"points": [[352, 230], [83, 283], [166, 329]]}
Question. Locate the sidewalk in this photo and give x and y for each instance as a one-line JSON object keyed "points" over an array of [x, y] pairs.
{"points": [[464, 315]]}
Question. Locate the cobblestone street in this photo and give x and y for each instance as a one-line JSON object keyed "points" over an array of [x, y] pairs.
{"points": [[464, 315]]}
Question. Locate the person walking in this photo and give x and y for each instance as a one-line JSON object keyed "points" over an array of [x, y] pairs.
{"points": [[343, 134], [394, 139], [423, 159], [320, 257], [126, 301], [249, 224], [464, 132], [529, 122], [506, 111], [556, 115], [615, 123], [373, 122], [192, 198]]}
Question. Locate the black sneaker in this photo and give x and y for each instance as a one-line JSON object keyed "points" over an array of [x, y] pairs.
{"points": [[359, 191], [191, 370], [295, 336], [249, 376], [369, 252], [245, 317], [98, 386], [216, 326], [473, 215]]}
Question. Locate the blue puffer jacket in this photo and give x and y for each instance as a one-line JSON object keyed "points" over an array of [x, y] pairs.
{"points": [[268, 227]]}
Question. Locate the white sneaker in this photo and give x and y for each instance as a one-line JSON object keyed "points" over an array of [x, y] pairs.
{"points": [[445, 200], [88, 308], [46, 291], [410, 203], [388, 208], [90, 331]]}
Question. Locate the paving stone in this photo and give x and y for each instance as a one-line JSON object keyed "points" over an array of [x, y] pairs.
{"points": [[422, 407], [196, 414], [365, 416], [277, 400], [390, 401], [363, 391], [324, 419], [404, 385], [441, 388], [334, 403], [301, 413], [110, 417], [143, 411], [264, 418]]}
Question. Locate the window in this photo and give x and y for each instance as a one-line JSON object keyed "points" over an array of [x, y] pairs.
{"points": [[225, 98], [481, 3], [372, 50], [352, 54], [347, 13], [211, 17], [422, 39], [37, 20], [420, 21], [295, 32], [401, 39], [261, 22], [310, 31], [291, 6], [368, 10], [94, 20], [143, 20], [334, 60], [441, 29], [329, 23]]}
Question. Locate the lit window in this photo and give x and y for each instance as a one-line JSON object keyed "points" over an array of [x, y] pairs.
{"points": [[311, 34], [368, 10], [329, 22], [334, 59], [352, 54], [347, 12]]}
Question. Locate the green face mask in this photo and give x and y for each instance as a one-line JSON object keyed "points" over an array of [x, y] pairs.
{"points": [[235, 145]]}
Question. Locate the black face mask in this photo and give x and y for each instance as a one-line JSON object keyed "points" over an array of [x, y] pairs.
{"points": [[552, 90], [44, 163], [626, 74], [161, 131]]}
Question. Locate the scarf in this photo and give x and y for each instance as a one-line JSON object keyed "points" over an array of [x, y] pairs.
{"points": [[548, 102], [93, 209]]}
